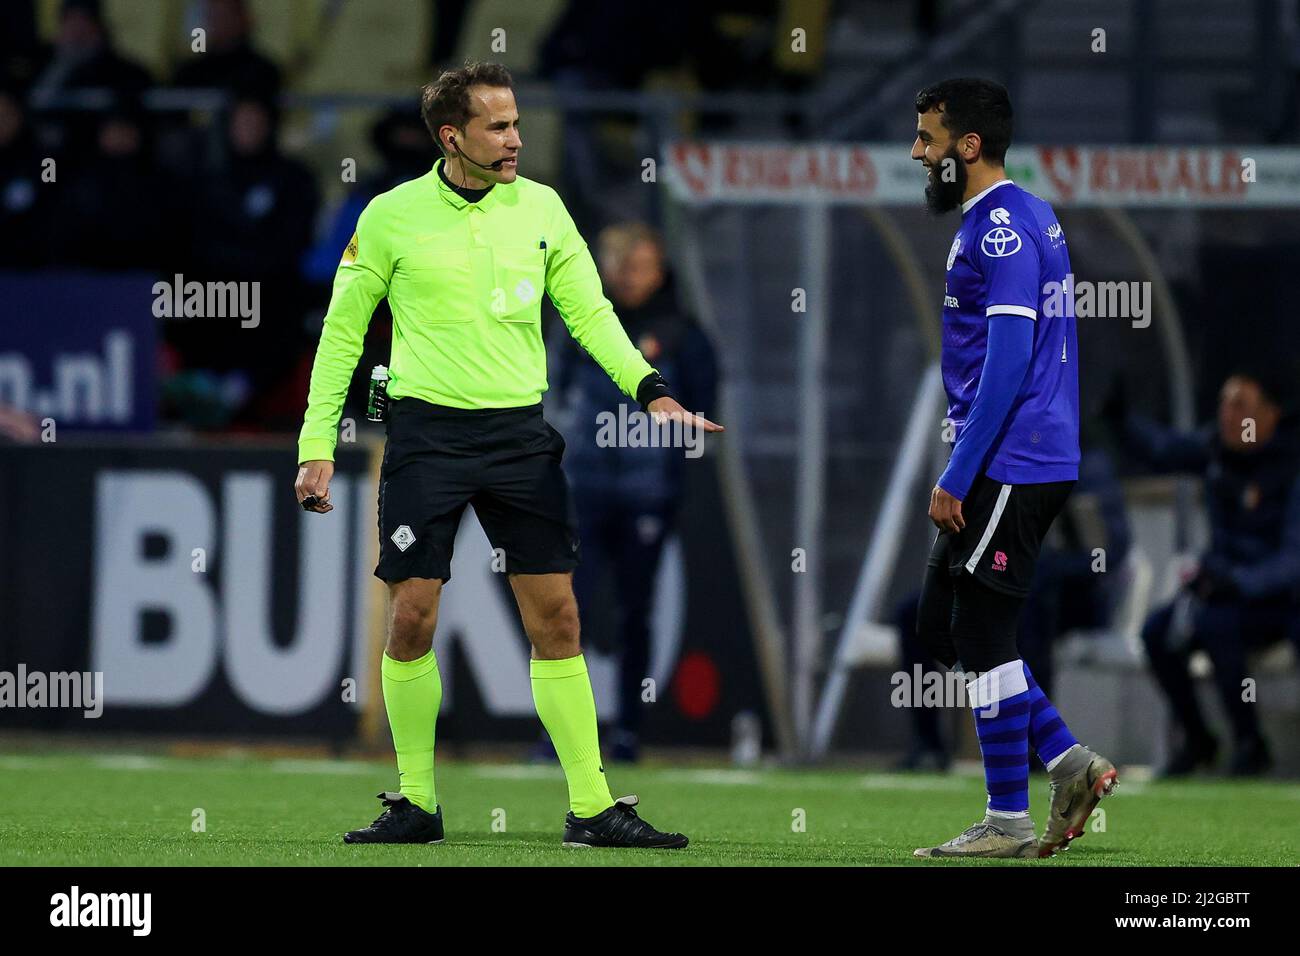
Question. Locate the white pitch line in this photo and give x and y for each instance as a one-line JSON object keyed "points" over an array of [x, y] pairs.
{"points": [[721, 776], [518, 771], [893, 781], [130, 762], [294, 765]]}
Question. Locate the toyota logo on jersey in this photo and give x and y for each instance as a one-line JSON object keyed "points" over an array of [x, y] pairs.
{"points": [[1000, 242]]}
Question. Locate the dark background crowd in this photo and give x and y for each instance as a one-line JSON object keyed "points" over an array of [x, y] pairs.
{"points": [[211, 194]]}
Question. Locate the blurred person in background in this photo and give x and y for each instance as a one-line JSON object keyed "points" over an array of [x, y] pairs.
{"points": [[22, 54], [256, 211], [109, 209], [25, 201], [1244, 594], [83, 56], [628, 497], [229, 61], [250, 221]]}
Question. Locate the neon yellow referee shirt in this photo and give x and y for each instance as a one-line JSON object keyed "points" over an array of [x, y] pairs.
{"points": [[464, 282]]}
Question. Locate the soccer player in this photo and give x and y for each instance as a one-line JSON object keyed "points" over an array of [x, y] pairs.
{"points": [[1010, 368], [464, 254]]}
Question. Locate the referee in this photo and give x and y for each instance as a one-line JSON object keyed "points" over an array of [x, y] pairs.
{"points": [[464, 254]]}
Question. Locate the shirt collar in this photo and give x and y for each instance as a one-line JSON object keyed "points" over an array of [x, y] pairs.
{"points": [[969, 204], [453, 198]]}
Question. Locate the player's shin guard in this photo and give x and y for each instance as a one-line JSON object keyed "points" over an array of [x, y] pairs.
{"points": [[1000, 701], [1048, 734], [412, 694], [562, 694]]}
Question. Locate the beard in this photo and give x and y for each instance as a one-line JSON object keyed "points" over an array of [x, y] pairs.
{"points": [[940, 195]]}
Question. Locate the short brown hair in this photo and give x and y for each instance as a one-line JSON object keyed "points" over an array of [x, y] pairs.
{"points": [[445, 101]]}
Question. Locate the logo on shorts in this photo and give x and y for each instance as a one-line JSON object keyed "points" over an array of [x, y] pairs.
{"points": [[999, 560], [403, 538]]}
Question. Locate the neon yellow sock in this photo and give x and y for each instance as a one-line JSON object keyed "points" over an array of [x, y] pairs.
{"points": [[562, 694], [412, 693]]}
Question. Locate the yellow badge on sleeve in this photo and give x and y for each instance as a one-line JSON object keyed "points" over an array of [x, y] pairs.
{"points": [[350, 253]]}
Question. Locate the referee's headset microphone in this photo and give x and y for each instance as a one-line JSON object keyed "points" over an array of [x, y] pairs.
{"points": [[462, 154]]}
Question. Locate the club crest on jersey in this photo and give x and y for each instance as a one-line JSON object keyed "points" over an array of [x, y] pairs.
{"points": [[954, 252], [1000, 242]]}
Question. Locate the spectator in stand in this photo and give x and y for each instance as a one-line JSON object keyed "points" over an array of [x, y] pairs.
{"points": [[627, 497], [251, 221], [84, 58], [258, 209], [1245, 594], [25, 201], [108, 211], [229, 61]]}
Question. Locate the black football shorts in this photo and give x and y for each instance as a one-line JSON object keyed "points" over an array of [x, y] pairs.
{"points": [[505, 462], [1005, 527]]}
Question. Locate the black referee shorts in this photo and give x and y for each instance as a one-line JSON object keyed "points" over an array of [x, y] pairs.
{"points": [[505, 462], [1005, 527]]}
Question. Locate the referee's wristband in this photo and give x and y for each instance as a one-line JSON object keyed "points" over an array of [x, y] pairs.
{"points": [[652, 386]]}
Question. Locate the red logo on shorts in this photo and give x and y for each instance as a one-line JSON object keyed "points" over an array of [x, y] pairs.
{"points": [[999, 560]]}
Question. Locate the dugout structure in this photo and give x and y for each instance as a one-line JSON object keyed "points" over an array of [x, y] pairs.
{"points": [[820, 274]]}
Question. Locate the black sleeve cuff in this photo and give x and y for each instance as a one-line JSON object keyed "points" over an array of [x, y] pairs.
{"points": [[652, 386]]}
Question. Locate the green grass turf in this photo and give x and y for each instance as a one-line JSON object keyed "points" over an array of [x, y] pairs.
{"points": [[104, 809]]}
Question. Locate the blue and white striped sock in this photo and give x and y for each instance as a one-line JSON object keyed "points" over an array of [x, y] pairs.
{"points": [[1047, 731], [1000, 701]]}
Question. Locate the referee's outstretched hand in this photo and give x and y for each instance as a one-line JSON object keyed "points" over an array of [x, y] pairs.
{"points": [[945, 511], [313, 486], [667, 408]]}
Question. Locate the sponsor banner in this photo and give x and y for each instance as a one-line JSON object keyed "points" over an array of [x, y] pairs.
{"points": [[80, 349], [885, 174], [192, 586], [191, 580]]}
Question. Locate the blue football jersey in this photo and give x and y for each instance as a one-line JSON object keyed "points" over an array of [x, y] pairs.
{"points": [[1006, 258]]}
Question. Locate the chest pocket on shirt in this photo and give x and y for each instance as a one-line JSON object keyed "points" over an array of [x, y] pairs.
{"points": [[435, 286], [519, 279]]}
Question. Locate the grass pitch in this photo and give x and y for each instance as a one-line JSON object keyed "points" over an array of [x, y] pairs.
{"points": [[129, 810]]}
